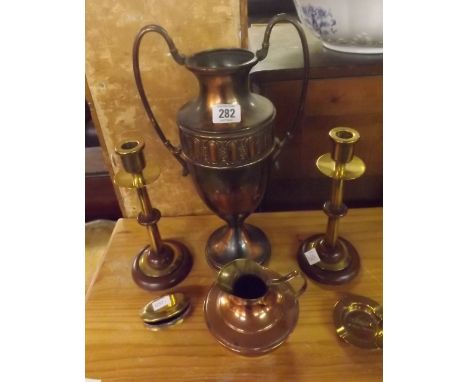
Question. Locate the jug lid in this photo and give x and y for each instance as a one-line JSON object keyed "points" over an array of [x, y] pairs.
{"points": [[165, 309]]}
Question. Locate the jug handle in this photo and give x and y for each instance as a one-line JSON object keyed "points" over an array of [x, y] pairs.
{"points": [[180, 59], [261, 55], [289, 277]]}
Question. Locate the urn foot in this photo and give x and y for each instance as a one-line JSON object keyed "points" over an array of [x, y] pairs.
{"points": [[336, 267], [152, 278], [230, 243]]}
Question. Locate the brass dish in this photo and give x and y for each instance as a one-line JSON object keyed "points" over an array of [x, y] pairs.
{"points": [[359, 321]]}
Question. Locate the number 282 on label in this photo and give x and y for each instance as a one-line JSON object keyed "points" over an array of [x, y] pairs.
{"points": [[226, 113]]}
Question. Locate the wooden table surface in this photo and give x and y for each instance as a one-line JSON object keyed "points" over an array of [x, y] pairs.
{"points": [[119, 348]]}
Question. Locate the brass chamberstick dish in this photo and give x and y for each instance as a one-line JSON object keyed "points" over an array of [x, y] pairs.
{"points": [[359, 321]]}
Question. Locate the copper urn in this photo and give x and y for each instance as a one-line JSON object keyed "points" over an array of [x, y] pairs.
{"points": [[227, 141]]}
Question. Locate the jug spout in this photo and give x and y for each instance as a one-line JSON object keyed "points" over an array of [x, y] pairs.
{"points": [[247, 280], [230, 273]]}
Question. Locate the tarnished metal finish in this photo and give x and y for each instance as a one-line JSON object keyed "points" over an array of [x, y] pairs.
{"points": [[263, 52], [229, 161], [250, 309], [223, 76], [339, 260], [219, 152], [163, 263], [233, 194]]}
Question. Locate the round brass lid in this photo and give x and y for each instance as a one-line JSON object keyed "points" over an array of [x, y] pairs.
{"points": [[165, 310], [174, 320], [359, 321]]}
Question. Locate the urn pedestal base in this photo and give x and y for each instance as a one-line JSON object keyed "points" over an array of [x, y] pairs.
{"points": [[242, 242], [150, 275], [336, 267]]}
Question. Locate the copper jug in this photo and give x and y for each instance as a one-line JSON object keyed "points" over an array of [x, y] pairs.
{"points": [[251, 309], [227, 141]]}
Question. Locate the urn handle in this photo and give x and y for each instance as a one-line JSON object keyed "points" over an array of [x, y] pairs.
{"points": [[263, 52], [180, 59], [290, 276]]}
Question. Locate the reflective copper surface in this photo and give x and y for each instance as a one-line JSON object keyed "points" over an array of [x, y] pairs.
{"points": [[230, 161], [250, 309]]}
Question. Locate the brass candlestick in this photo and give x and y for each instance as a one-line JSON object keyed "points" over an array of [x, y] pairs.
{"points": [[163, 263], [328, 258]]}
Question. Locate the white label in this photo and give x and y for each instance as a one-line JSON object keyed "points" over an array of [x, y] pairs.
{"points": [[92, 380], [312, 256], [226, 113], [161, 303]]}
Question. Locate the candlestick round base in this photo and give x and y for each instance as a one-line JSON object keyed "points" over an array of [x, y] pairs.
{"points": [[336, 267], [241, 242], [147, 277]]}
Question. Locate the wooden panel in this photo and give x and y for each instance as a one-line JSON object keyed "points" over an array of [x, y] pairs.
{"points": [[110, 29], [103, 199], [94, 161], [100, 199], [351, 101], [244, 22], [119, 348]]}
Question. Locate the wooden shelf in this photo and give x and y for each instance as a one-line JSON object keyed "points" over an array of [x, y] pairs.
{"points": [[284, 60]]}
